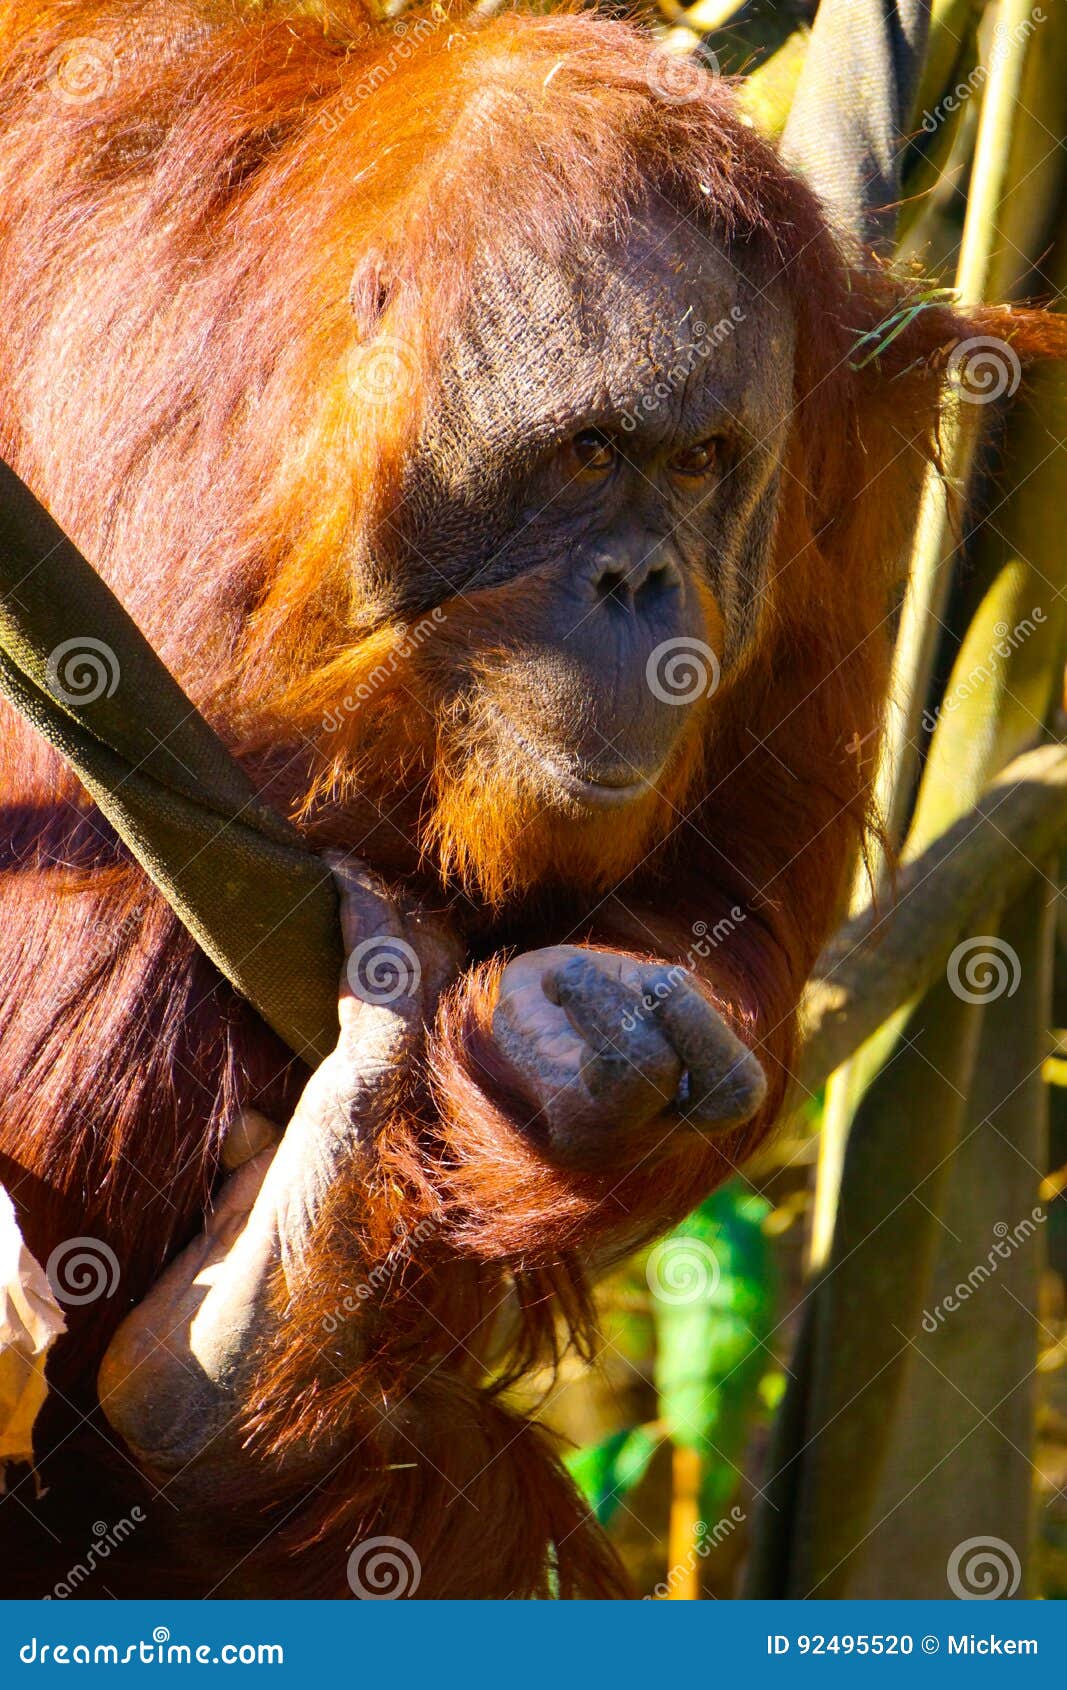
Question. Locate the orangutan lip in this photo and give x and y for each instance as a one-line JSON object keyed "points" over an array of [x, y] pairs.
{"points": [[588, 790], [601, 794], [595, 794]]}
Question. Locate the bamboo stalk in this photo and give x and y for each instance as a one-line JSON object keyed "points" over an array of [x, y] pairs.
{"points": [[930, 573], [960, 1465], [961, 1459], [852, 1356], [683, 1535], [882, 959]]}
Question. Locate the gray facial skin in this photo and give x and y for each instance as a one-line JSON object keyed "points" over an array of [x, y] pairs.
{"points": [[656, 345]]}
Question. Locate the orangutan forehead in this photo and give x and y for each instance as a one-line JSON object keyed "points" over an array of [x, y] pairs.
{"points": [[664, 330]]}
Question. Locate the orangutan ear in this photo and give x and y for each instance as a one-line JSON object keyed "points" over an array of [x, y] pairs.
{"points": [[370, 293]]}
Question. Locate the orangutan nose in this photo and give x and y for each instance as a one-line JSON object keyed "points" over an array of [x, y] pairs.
{"points": [[637, 582]]}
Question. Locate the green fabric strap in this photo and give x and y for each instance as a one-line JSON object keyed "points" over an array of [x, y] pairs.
{"points": [[848, 124], [260, 905]]}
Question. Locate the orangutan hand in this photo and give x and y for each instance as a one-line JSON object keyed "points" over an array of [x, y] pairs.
{"points": [[602, 1044]]}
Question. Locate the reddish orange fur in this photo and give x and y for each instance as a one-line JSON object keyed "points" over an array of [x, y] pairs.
{"points": [[187, 416]]}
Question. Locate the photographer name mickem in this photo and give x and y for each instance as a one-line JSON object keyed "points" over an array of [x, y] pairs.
{"points": [[972, 1645]]}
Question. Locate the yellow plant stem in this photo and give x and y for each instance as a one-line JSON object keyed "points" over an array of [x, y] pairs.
{"points": [[683, 1539], [930, 573]]}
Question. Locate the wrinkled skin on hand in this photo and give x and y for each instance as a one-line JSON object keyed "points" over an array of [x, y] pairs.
{"points": [[600, 1044], [603, 1044]]}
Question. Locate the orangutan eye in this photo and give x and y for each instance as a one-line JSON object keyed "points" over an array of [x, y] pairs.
{"points": [[591, 454], [694, 461]]}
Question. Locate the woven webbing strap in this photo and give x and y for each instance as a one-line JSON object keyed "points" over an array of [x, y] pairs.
{"points": [[73, 662]]}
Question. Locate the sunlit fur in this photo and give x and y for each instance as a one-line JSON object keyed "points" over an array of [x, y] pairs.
{"points": [[426, 720], [196, 270]]}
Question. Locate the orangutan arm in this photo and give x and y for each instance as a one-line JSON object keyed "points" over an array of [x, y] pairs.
{"points": [[175, 1379], [598, 1045]]}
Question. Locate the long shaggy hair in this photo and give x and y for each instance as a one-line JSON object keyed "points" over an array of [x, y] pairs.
{"points": [[222, 225]]}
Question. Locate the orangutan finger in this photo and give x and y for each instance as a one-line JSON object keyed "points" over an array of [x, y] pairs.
{"points": [[725, 1083]]}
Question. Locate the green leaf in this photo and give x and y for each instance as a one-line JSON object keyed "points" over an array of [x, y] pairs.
{"points": [[713, 1305], [606, 1471]]}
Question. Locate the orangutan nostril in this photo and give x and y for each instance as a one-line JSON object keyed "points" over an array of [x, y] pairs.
{"points": [[612, 585]]}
